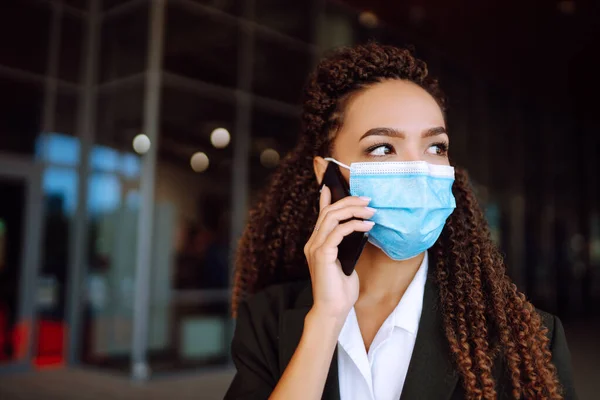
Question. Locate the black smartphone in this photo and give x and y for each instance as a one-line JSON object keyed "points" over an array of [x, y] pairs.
{"points": [[351, 247]]}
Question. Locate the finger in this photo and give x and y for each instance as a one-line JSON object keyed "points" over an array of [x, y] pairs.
{"points": [[345, 202], [333, 219], [337, 235], [350, 201], [325, 198]]}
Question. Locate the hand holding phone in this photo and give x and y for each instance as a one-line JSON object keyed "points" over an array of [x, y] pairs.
{"points": [[334, 292], [351, 247]]}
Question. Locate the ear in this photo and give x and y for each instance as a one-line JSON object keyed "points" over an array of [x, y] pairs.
{"points": [[319, 165]]}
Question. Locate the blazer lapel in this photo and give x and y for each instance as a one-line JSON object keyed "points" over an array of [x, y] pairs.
{"points": [[431, 374], [291, 329]]}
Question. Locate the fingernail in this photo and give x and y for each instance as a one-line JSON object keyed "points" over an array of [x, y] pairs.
{"points": [[371, 209], [365, 198], [369, 223]]}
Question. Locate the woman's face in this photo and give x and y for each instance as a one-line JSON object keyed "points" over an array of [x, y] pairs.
{"points": [[393, 120]]}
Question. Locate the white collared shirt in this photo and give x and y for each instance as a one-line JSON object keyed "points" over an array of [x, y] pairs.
{"points": [[380, 373]]}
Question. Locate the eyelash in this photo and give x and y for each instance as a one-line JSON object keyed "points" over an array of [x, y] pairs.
{"points": [[443, 146], [370, 149]]}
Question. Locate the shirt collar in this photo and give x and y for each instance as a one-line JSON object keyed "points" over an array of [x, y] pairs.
{"points": [[407, 313]]}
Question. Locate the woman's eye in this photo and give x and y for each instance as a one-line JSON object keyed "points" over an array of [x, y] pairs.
{"points": [[381, 150], [438, 149]]}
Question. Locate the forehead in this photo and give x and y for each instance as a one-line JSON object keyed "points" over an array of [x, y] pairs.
{"points": [[394, 104]]}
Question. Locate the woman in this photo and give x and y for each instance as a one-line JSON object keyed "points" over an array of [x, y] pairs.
{"points": [[434, 315]]}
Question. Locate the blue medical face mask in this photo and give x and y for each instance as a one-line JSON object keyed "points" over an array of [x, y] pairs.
{"points": [[413, 200]]}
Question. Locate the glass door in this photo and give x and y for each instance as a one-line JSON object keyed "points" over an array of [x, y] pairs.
{"points": [[20, 220]]}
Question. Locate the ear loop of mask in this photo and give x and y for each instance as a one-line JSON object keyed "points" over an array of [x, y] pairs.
{"points": [[333, 160]]}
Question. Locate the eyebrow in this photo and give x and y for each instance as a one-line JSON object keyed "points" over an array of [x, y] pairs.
{"points": [[391, 132]]}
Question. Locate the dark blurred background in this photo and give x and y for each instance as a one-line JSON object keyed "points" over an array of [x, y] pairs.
{"points": [[134, 135]]}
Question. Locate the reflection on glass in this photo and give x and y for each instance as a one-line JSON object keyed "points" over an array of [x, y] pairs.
{"points": [[112, 209], [104, 158], [113, 202], [57, 148], [130, 166], [60, 188], [104, 194]]}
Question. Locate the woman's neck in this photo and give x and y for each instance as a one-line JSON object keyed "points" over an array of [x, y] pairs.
{"points": [[383, 279]]}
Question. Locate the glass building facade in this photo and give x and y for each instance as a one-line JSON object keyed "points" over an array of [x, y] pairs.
{"points": [[135, 134]]}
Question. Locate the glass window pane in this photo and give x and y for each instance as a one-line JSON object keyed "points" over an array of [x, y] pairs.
{"points": [[130, 165], [105, 159], [337, 26], [20, 115], [235, 7], [79, 4], [60, 189], [292, 18], [108, 4], [72, 37], [12, 217], [59, 145], [113, 216], [124, 44], [284, 79], [119, 116], [200, 47], [66, 113], [29, 21], [58, 149], [189, 321], [59, 186], [273, 136], [104, 193]]}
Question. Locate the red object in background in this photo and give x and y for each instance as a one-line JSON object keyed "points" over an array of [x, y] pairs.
{"points": [[18, 337], [52, 336], [51, 344]]}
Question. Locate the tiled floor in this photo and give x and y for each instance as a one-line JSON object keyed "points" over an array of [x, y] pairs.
{"points": [[72, 384], [93, 385]]}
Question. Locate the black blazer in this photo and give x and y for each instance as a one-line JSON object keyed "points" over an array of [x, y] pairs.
{"points": [[269, 327]]}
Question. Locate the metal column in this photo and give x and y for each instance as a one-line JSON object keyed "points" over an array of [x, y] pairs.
{"points": [[241, 134], [140, 367], [79, 228]]}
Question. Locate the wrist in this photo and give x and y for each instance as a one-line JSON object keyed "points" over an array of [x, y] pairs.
{"points": [[325, 319]]}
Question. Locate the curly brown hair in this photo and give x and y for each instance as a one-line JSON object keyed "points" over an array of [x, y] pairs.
{"points": [[484, 314]]}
